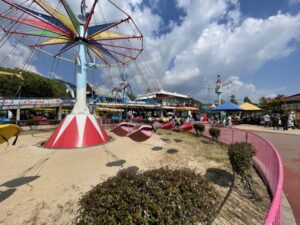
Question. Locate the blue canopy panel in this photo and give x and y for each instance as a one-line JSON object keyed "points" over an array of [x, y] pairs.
{"points": [[228, 106], [66, 46], [94, 29], [105, 51]]}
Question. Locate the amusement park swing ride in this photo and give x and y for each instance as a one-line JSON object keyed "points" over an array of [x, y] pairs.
{"points": [[56, 30]]}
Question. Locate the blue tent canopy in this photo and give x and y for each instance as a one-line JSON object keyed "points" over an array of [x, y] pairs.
{"points": [[228, 106]]}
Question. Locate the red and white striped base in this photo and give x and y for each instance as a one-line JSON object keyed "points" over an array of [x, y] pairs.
{"points": [[77, 131]]}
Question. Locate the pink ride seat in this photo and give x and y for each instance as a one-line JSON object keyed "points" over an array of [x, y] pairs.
{"points": [[142, 134], [169, 125], [186, 126], [122, 129]]}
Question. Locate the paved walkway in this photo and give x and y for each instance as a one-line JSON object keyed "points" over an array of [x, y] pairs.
{"points": [[288, 145]]}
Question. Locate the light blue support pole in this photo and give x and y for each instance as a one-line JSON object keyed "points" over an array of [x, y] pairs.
{"points": [[81, 106]]}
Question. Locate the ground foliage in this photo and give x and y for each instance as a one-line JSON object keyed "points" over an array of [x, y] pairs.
{"points": [[160, 196], [199, 128], [33, 85], [214, 132], [241, 159]]}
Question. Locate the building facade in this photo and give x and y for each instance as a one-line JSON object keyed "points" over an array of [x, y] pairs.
{"points": [[292, 105]]}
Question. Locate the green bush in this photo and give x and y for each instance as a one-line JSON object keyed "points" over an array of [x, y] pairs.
{"points": [[199, 127], [241, 156], [160, 196], [214, 132]]}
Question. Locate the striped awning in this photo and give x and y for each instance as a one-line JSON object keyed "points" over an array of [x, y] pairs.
{"points": [[185, 108], [109, 109]]}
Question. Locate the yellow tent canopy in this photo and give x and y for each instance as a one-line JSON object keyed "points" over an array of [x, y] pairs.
{"points": [[249, 107]]}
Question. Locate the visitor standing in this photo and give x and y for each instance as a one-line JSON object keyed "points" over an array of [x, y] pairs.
{"points": [[275, 121], [291, 120], [229, 120], [10, 114], [284, 121], [267, 120]]}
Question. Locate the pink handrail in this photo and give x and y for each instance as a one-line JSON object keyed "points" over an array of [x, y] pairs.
{"points": [[267, 161], [274, 213]]}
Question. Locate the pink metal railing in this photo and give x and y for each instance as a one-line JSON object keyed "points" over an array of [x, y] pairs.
{"points": [[267, 160]]}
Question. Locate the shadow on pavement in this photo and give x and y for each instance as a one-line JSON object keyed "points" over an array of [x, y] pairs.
{"points": [[220, 177]]}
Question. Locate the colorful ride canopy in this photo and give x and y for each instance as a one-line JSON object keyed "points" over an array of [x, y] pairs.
{"points": [[55, 28]]}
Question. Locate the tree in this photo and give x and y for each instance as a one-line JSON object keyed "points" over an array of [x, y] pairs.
{"points": [[233, 99], [246, 99], [262, 101], [33, 85]]}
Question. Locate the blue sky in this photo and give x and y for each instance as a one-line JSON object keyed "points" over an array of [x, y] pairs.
{"points": [[282, 74], [253, 44]]}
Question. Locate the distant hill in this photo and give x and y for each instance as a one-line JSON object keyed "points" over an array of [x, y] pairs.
{"points": [[34, 85]]}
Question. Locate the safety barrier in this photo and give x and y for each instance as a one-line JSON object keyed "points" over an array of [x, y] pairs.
{"points": [[267, 161]]}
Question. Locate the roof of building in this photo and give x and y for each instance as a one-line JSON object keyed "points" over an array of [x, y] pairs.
{"points": [[162, 92], [293, 98]]}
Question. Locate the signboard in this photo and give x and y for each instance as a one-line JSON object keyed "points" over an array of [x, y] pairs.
{"points": [[16, 102]]}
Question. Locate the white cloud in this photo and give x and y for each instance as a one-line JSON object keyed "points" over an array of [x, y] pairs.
{"points": [[240, 89], [294, 2], [191, 55], [214, 37], [236, 47], [12, 55]]}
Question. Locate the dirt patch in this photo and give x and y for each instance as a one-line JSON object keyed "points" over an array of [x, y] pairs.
{"points": [[43, 186]]}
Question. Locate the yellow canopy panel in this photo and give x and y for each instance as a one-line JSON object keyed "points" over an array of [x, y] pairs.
{"points": [[54, 41], [7, 131], [249, 107], [108, 35], [62, 18]]}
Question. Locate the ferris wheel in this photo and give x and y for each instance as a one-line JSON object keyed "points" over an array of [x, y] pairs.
{"points": [[85, 37]]}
